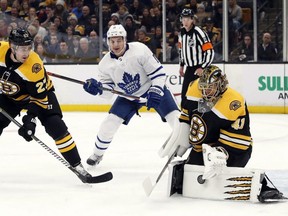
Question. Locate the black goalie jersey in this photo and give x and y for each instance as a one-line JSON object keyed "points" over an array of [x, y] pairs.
{"points": [[226, 124], [26, 84]]}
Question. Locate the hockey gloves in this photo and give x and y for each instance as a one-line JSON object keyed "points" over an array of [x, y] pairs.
{"points": [[154, 97], [93, 87], [28, 127], [215, 159]]}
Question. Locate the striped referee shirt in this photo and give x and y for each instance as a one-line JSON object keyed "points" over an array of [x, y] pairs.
{"points": [[195, 48]]}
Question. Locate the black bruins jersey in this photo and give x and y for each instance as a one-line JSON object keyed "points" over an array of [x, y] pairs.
{"points": [[25, 83], [226, 124]]}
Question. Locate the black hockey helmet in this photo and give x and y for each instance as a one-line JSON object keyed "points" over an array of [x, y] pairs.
{"points": [[20, 37], [186, 12]]}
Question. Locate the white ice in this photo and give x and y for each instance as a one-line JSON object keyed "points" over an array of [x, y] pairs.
{"points": [[34, 183]]}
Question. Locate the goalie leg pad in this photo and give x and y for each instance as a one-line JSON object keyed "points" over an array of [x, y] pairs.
{"points": [[232, 184], [179, 137], [175, 178]]}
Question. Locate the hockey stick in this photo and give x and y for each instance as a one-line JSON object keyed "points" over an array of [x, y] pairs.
{"points": [[94, 179], [147, 183], [102, 88]]}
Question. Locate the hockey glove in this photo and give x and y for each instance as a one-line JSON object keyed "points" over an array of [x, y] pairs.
{"points": [[154, 97], [93, 87], [215, 159], [28, 127]]}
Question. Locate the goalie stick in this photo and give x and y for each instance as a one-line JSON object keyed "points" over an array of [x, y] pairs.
{"points": [[147, 183], [93, 179], [102, 88]]}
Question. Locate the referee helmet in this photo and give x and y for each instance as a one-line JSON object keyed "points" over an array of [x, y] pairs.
{"points": [[186, 12]]}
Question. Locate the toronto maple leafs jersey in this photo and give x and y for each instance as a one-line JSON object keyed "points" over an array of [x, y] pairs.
{"points": [[134, 72], [227, 124]]}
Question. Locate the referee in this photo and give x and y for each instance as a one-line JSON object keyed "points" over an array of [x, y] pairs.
{"points": [[196, 50]]}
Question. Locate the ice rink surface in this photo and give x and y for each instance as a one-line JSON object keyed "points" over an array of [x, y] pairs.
{"points": [[34, 183]]}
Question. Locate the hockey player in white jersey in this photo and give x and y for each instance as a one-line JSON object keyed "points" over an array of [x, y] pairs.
{"points": [[133, 69]]}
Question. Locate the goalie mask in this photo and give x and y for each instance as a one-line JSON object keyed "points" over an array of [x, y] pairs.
{"points": [[213, 83]]}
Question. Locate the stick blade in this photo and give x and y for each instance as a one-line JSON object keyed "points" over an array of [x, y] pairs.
{"points": [[148, 187]]}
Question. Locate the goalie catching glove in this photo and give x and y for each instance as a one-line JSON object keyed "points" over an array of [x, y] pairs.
{"points": [[215, 159], [93, 87], [28, 127], [155, 94]]}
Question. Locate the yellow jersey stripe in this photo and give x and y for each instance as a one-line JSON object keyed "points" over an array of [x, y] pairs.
{"points": [[239, 136], [64, 139]]}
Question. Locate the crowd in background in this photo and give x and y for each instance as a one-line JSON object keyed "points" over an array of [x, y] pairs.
{"points": [[68, 31]]}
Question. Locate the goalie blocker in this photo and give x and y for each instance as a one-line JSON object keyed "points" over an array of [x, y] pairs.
{"points": [[232, 183]]}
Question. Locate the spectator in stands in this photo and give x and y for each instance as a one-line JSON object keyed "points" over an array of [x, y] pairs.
{"points": [[172, 53], [14, 15], [85, 17], [213, 32], [136, 9], [77, 10], [192, 5], [157, 19], [47, 17], [40, 50], [267, 51], [147, 21], [144, 38], [130, 27], [38, 39], [40, 30], [247, 50], [61, 27], [235, 13], [201, 15], [106, 16], [72, 21], [53, 48], [92, 25], [172, 11], [4, 7], [86, 54], [64, 55], [3, 28], [116, 5], [31, 16], [61, 11], [24, 9], [157, 38], [94, 42], [68, 37], [115, 18], [52, 30], [123, 13], [76, 43]]}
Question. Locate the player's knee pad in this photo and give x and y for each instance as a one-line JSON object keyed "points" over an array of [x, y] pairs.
{"points": [[175, 178], [55, 126]]}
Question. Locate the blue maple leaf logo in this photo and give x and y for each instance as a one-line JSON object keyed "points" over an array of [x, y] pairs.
{"points": [[130, 84]]}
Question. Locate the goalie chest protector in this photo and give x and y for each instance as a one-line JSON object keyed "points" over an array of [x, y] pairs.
{"points": [[232, 184]]}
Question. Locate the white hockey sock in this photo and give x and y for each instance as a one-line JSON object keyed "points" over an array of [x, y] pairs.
{"points": [[106, 133]]}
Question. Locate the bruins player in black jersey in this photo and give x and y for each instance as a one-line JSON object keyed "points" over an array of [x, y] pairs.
{"points": [[214, 116], [24, 85]]}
